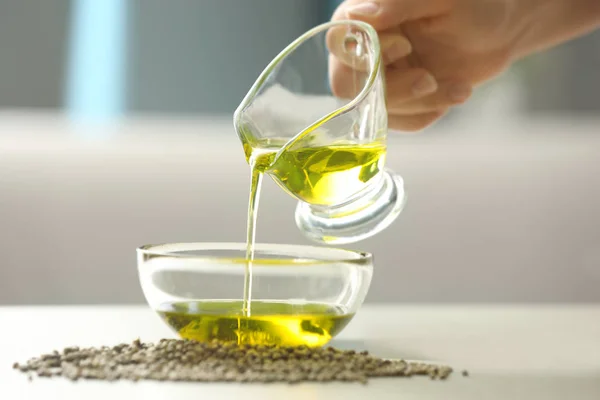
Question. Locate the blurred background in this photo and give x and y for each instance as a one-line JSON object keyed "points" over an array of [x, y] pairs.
{"points": [[116, 131]]}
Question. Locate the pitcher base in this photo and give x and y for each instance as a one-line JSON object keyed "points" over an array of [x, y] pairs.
{"points": [[357, 220]]}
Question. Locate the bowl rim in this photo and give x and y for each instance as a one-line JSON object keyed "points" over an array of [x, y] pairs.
{"points": [[170, 250]]}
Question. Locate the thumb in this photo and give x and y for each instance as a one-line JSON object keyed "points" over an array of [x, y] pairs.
{"points": [[386, 14]]}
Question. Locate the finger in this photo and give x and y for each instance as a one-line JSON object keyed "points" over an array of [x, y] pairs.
{"points": [[408, 84], [394, 47], [385, 14], [409, 60], [447, 94], [345, 82], [413, 123], [402, 85], [342, 42], [410, 91]]}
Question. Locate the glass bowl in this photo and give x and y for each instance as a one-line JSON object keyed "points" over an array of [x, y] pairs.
{"points": [[301, 295]]}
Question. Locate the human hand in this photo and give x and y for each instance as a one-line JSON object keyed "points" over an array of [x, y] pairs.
{"points": [[436, 51]]}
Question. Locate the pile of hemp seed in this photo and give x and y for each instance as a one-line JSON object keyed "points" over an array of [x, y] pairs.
{"points": [[185, 360]]}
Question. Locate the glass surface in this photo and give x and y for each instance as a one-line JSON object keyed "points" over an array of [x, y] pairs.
{"points": [[296, 289], [323, 134]]}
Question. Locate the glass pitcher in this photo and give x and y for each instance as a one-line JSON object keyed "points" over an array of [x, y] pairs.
{"points": [[316, 122]]}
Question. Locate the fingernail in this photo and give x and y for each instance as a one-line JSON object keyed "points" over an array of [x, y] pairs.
{"points": [[460, 92], [425, 85], [366, 9], [397, 50]]}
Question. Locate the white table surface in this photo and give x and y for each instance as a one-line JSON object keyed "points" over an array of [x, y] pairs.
{"points": [[511, 352]]}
